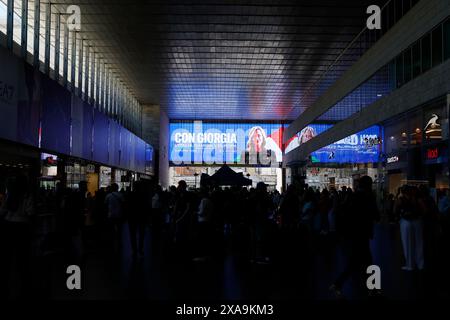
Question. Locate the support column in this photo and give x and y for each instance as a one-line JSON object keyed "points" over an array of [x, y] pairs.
{"points": [[97, 86], [86, 74], [66, 55], [92, 96], [80, 68], [48, 20], [24, 37], [10, 24], [57, 45], [73, 60], [37, 16]]}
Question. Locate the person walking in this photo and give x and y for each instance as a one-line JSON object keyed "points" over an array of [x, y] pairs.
{"points": [[359, 224], [411, 228], [137, 209], [115, 203]]}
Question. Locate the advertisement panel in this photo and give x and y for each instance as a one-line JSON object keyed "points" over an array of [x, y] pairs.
{"points": [[140, 155], [114, 143], [197, 142], [20, 89], [77, 126], [132, 152], [28, 107], [88, 125], [56, 116], [125, 148], [9, 94], [101, 130], [149, 167], [362, 147]]}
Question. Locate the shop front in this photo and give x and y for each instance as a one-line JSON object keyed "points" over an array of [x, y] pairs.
{"points": [[78, 170], [417, 148], [339, 176], [339, 164], [17, 160], [396, 171], [123, 178], [51, 171], [105, 177], [436, 166]]}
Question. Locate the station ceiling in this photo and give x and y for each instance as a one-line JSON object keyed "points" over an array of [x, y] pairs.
{"points": [[216, 59]]}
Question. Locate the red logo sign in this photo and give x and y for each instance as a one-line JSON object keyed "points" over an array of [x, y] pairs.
{"points": [[433, 153]]}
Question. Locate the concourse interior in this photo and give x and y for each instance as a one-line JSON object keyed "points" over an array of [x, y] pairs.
{"points": [[225, 151]]}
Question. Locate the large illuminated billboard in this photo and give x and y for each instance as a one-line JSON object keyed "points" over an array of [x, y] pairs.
{"points": [[362, 147], [197, 142]]}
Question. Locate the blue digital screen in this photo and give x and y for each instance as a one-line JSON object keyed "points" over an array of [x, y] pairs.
{"points": [[362, 147], [197, 142]]}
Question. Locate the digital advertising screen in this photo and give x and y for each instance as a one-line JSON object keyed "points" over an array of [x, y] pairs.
{"points": [[49, 165], [198, 142], [362, 147]]}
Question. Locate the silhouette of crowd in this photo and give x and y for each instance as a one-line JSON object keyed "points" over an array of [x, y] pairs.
{"points": [[206, 224]]}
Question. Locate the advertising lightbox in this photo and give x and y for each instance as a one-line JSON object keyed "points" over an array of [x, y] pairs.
{"points": [[197, 142], [362, 147]]}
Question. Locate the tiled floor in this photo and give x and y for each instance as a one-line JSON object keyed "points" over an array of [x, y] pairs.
{"points": [[299, 271]]}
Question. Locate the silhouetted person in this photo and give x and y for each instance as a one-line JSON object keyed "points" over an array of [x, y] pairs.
{"points": [[323, 208], [411, 228], [289, 208], [157, 219], [389, 207], [182, 216], [205, 228], [430, 216], [359, 224], [115, 203], [261, 206], [444, 215], [137, 209], [17, 211]]}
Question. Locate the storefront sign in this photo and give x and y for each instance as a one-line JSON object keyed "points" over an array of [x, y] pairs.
{"points": [[392, 159], [6, 92], [432, 123], [432, 154]]}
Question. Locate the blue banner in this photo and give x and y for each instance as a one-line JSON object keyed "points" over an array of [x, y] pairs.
{"points": [[361, 147]]}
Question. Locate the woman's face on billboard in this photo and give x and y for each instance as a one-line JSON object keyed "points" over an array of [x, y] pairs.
{"points": [[257, 139], [307, 135]]}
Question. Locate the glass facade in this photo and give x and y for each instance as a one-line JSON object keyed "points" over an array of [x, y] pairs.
{"points": [[420, 57], [394, 11], [127, 110], [416, 147], [426, 53]]}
